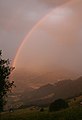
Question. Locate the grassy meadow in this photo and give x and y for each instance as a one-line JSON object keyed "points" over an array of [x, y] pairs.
{"points": [[74, 112]]}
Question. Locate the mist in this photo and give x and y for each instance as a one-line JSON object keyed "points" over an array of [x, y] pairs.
{"points": [[54, 47]]}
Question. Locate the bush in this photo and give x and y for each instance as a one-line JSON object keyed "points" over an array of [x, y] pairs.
{"points": [[58, 105], [42, 109]]}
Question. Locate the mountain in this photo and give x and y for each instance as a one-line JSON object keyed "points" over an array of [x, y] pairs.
{"points": [[24, 78], [49, 92]]}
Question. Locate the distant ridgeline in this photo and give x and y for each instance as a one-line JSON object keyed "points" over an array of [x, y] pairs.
{"points": [[48, 93]]}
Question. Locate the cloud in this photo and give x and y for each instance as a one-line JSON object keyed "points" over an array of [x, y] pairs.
{"points": [[17, 17], [55, 42]]}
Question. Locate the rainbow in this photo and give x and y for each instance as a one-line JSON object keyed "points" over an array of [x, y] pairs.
{"points": [[29, 34]]}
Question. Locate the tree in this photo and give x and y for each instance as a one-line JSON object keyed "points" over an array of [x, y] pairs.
{"points": [[58, 105], [5, 83]]}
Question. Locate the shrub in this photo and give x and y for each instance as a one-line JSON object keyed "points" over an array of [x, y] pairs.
{"points": [[58, 105], [42, 109]]}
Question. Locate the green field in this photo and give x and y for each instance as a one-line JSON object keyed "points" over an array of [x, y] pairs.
{"points": [[25, 114]]}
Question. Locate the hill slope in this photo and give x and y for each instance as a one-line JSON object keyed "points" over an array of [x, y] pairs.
{"points": [[46, 94]]}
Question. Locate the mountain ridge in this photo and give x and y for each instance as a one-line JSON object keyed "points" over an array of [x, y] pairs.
{"points": [[49, 92]]}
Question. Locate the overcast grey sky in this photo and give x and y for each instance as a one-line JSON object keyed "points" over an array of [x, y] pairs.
{"points": [[55, 44], [17, 17], [57, 41]]}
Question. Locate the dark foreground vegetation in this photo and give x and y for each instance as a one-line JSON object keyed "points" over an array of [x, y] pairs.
{"points": [[74, 113], [5, 83], [57, 105]]}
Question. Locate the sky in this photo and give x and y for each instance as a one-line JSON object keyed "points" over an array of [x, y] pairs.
{"points": [[17, 17], [53, 49]]}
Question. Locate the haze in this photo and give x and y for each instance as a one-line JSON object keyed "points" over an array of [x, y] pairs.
{"points": [[17, 17], [53, 50]]}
